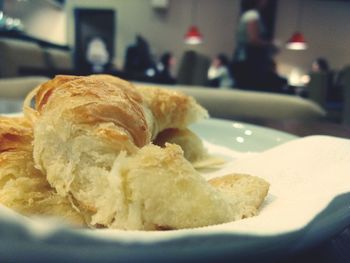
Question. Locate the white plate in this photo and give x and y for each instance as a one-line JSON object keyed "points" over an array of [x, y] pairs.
{"points": [[262, 237], [240, 136]]}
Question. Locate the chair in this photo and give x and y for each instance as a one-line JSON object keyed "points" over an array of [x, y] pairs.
{"points": [[193, 69], [245, 105], [236, 104], [59, 60], [20, 57], [324, 88], [345, 81], [318, 87]]}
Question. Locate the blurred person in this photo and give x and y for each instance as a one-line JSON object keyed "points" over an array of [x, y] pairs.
{"points": [[320, 65], [139, 64], [97, 54], [334, 93], [218, 73], [274, 82], [164, 68], [254, 51]]}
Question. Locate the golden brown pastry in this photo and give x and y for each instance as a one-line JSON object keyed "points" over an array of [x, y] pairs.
{"points": [[92, 140], [98, 99], [81, 124], [171, 109], [22, 187]]}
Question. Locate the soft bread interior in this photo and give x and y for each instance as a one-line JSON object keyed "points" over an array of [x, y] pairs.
{"points": [[159, 189], [245, 192]]}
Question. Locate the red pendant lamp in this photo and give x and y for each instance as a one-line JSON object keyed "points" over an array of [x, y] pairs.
{"points": [[193, 35], [297, 40]]}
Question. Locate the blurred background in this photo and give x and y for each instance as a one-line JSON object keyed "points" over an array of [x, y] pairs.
{"points": [[177, 42], [164, 23]]}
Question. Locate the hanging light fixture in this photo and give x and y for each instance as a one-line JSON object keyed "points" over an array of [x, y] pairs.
{"points": [[297, 40], [193, 35]]}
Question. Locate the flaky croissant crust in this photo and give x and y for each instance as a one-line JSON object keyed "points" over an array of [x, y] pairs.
{"points": [[96, 99], [15, 134]]}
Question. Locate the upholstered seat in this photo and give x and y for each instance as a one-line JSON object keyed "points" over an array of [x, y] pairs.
{"points": [[318, 87], [238, 104], [227, 104], [59, 60], [345, 82], [27, 58], [20, 57], [193, 69]]}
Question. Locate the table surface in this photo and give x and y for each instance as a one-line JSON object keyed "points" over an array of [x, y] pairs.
{"points": [[304, 128], [337, 249]]}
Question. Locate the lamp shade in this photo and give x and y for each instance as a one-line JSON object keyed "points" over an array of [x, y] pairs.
{"points": [[297, 42], [193, 36]]}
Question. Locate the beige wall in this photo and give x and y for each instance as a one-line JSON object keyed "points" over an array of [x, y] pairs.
{"points": [[324, 24]]}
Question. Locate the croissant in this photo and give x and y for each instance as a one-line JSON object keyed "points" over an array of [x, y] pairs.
{"points": [[81, 124], [93, 141], [23, 187]]}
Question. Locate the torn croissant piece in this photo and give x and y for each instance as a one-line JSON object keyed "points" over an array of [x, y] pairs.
{"points": [[22, 187], [159, 189], [192, 146], [245, 192], [81, 124]]}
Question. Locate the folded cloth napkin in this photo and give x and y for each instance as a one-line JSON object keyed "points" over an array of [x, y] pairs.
{"points": [[307, 203], [304, 175]]}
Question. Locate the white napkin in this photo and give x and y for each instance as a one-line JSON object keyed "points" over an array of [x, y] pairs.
{"points": [[304, 175]]}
